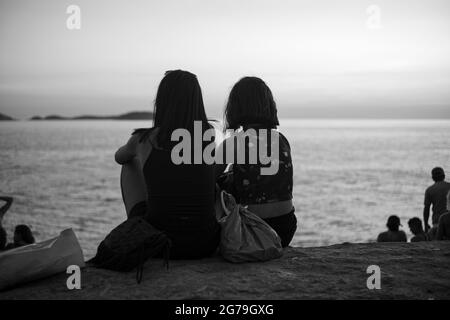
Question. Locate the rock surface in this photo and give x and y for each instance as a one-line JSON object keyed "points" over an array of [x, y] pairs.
{"points": [[408, 271]]}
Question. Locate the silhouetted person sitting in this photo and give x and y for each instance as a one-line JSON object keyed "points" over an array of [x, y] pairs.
{"points": [[415, 225], [22, 237], [435, 195], [393, 234], [443, 230], [3, 210]]}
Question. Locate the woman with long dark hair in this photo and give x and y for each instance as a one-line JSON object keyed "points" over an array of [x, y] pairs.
{"points": [[251, 106], [176, 198]]}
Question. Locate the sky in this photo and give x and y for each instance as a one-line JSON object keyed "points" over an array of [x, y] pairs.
{"points": [[322, 58]]}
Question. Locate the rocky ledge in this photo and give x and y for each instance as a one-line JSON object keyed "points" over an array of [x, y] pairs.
{"points": [[408, 271]]}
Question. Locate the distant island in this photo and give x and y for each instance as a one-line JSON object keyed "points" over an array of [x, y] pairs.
{"points": [[136, 115], [4, 117]]}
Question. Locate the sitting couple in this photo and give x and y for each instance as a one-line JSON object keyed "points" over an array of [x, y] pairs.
{"points": [[179, 199]]}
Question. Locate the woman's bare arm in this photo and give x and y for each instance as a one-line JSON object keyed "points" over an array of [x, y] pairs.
{"points": [[127, 152], [6, 206]]}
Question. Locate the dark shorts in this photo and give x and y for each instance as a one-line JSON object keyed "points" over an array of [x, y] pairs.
{"points": [[285, 226], [194, 245]]}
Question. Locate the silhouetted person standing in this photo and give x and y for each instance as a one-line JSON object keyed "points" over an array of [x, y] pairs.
{"points": [[443, 230], [393, 234], [435, 196]]}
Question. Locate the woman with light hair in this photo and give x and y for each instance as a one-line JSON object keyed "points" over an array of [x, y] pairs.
{"points": [[443, 232]]}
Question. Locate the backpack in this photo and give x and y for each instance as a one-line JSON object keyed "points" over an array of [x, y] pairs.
{"points": [[129, 245]]}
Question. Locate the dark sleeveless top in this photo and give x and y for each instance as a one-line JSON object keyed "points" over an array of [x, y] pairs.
{"points": [[180, 202], [253, 188], [180, 197]]}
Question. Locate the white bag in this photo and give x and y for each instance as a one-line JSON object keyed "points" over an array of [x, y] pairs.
{"points": [[244, 236], [39, 260]]}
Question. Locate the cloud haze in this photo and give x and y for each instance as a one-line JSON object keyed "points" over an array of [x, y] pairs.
{"points": [[319, 57]]}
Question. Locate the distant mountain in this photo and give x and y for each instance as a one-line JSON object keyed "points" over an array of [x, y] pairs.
{"points": [[4, 117], [136, 115]]}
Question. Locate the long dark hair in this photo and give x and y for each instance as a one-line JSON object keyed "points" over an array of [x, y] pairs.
{"points": [[250, 102], [178, 103]]}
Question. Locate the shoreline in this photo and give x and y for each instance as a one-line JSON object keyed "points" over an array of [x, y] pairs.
{"points": [[408, 271]]}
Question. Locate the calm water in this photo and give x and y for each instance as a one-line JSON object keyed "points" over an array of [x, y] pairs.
{"points": [[349, 176]]}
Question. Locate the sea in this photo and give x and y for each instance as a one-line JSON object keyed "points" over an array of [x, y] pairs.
{"points": [[349, 175]]}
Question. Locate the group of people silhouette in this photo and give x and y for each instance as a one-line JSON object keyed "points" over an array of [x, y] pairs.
{"points": [[437, 197]]}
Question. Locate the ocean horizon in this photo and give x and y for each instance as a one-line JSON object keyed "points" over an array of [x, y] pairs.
{"points": [[349, 175]]}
